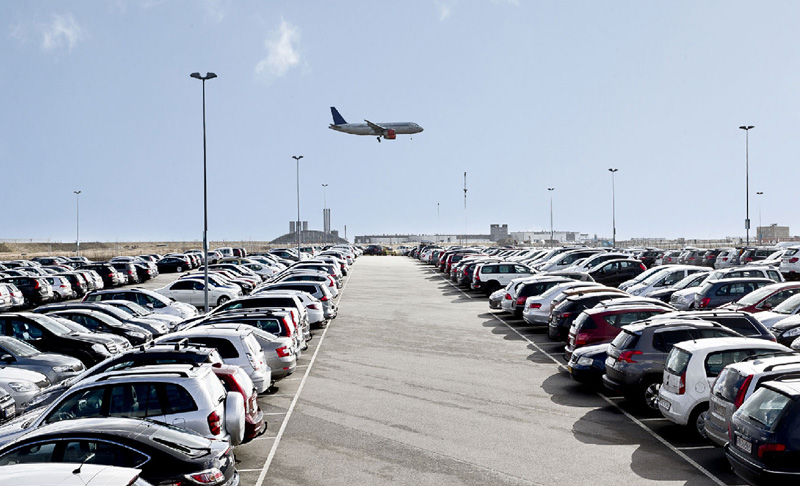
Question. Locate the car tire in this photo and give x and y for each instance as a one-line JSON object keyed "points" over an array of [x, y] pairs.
{"points": [[179, 269], [649, 393], [222, 300], [697, 421]]}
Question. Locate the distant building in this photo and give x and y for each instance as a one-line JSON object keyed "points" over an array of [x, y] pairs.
{"points": [[498, 232], [772, 233]]}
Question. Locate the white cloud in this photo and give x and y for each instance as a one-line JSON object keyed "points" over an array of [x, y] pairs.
{"points": [[63, 30], [446, 9], [282, 53]]}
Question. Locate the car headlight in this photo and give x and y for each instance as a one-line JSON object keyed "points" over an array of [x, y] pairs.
{"points": [[136, 334], [636, 292], [795, 331], [585, 361], [23, 386], [62, 369], [100, 349]]}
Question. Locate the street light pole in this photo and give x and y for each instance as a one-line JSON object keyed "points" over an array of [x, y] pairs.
{"points": [[77, 222], [205, 191], [551, 189], [324, 214], [613, 209], [746, 129], [760, 227], [297, 159]]}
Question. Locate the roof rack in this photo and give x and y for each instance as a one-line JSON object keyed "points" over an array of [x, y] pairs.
{"points": [[139, 371]]}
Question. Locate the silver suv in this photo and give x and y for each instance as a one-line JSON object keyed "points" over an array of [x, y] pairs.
{"points": [[186, 396]]}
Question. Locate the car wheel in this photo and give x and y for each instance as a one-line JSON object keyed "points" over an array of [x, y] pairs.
{"points": [[222, 300], [650, 394], [698, 420], [178, 269]]}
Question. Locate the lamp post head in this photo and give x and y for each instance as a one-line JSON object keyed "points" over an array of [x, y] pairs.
{"points": [[759, 193], [77, 192], [297, 157], [747, 127], [207, 76], [613, 170], [551, 188]]}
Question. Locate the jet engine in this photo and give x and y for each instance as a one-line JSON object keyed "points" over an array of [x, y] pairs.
{"points": [[390, 134]]}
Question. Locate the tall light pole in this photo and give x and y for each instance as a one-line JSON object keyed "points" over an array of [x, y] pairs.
{"points": [[324, 215], [613, 209], [205, 191], [746, 129], [297, 159], [77, 222], [550, 190], [760, 227]]}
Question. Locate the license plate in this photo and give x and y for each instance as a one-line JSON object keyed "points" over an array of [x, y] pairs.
{"points": [[744, 445], [718, 409], [664, 404]]}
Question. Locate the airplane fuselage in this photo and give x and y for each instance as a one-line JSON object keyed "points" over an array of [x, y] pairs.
{"points": [[405, 128]]}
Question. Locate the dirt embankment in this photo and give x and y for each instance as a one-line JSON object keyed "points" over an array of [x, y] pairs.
{"points": [[103, 251]]}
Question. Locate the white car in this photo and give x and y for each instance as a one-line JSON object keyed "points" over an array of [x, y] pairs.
{"points": [[22, 384], [62, 289], [566, 259], [691, 368], [593, 260], [310, 276], [537, 308], [192, 291], [489, 277], [236, 347], [790, 261], [787, 308], [684, 299], [668, 275]]}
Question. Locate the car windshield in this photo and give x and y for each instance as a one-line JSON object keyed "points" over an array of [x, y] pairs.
{"points": [[755, 296], [51, 324], [788, 306], [19, 348], [691, 281], [764, 407], [677, 361], [655, 277]]}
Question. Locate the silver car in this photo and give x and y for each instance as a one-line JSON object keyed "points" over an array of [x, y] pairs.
{"points": [[56, 367], [21, 384]]}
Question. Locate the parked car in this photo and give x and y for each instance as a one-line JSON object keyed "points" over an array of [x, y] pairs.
{"points": [[315, 289], [787, 330], [180, 394], [537, 308], [763, 435], [110, 276], [714, 293], [147, 298], [564, 313], [35, 290], [615, 272], [742, 322], [173, 264], [55, 366], [77, 284], [725, 258], [636, 356], [192, 291], [235, 379], [685, 299], [667, 277], [17, 298], [515, 297], [493, 276], [48, 335], [100, 322], [601, 324], [141, 327], [790, 263], [787, 308], [764, 298], [164, 454], [67, 474], [21, 384], [670, 257], [587, 364], [690, 370], [737, 382], [691, 281], [236, 347]]}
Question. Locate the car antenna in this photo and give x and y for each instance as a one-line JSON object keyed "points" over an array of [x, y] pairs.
{"points": [[86, 459]]}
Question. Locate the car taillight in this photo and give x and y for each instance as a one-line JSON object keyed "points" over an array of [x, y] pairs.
{"points": [[110, 275], [521, 300], [36, 284], [535, 305], [324, 298], [682, 384], [705, 301], [748, 259], [255, 363], [214, 423], [508, 296], [581, 339], [793, 260], [477, 277], [627, 356], [209, 476], [643, 267], [742, 392], [767, 448], [254, 403], [283, 352], [313, 306]]}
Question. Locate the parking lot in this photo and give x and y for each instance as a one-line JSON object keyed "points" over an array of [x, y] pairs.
{"points": [[418, 382]]}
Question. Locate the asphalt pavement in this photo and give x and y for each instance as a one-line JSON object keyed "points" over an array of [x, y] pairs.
{"points": [[417, 382]]}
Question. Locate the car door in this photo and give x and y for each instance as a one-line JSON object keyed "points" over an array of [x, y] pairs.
{"points": [[95, 451], [182, 291], [137, 400]]}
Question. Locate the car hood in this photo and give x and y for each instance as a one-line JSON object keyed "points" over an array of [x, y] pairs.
{"points": [[50, 359], [591, 351], [8, 373], [93, 338], [686, 292], [19, 425], [788, 323]]}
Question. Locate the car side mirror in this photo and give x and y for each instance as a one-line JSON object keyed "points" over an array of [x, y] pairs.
{"points": [[150, 306], [7, 358], [766, 306]]}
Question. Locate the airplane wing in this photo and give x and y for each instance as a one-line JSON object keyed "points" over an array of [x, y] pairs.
{"points": [[375, 126]]}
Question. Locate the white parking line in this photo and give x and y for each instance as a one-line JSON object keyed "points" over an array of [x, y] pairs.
{"points": [[633, 419], [278, 437], [696, 448]]}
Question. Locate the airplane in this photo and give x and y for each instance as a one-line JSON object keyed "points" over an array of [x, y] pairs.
{"points": [[386, 130]]}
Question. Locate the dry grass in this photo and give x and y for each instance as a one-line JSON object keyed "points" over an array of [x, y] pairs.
{"points": [[104, 250]]}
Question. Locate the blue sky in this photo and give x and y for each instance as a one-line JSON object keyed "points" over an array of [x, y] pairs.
{"points": [[522, 95]]}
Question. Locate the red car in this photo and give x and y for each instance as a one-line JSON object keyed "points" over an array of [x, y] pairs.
{"points": [[765, 298], [601, 324], [235, 379]]}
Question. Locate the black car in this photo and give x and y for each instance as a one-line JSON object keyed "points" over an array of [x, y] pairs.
{"points": [[108, 273], [165, 454], [709, 258], [588, 364], [77, 282], [154, 327], [614, 272], [764, 444], [35, 290], [48, 335], [172, 264], [744, 323], [97, 321]]}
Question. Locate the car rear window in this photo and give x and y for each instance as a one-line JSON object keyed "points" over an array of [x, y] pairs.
{"points": [[742, 325], [764, 408], [677, 361], [728, 383], [625, 340]]}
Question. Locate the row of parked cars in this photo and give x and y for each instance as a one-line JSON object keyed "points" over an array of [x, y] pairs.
{"points": [[713, 349], [141, 379]]}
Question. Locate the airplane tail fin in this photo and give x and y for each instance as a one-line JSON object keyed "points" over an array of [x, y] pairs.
{"points": [[337, 118]]}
